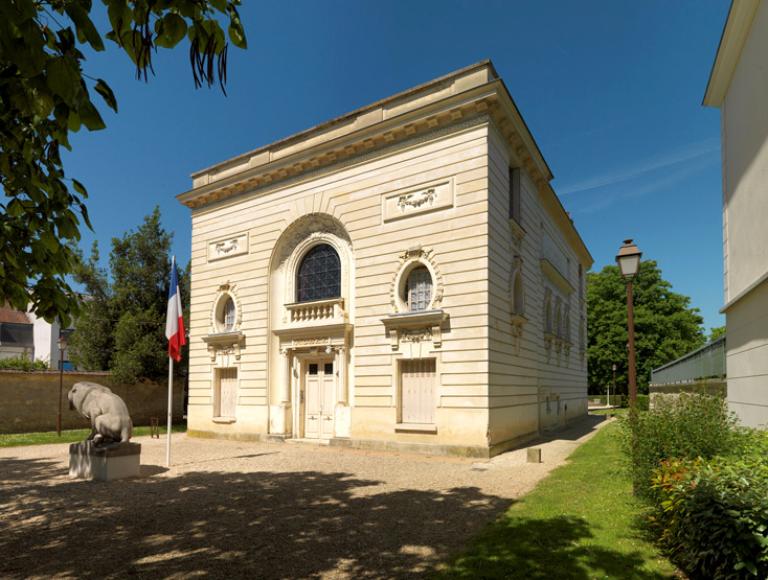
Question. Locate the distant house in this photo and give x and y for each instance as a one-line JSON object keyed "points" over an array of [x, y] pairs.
{"points": [[23, 334], [16, 334], [738, 86]]}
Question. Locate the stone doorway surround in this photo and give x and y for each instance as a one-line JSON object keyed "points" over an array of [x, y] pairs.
{"points": [[297, 347]]}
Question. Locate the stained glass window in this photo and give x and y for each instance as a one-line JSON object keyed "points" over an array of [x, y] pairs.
{"points": [[418, 289], [319, 275]]}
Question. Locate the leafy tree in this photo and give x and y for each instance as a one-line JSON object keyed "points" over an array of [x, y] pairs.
{"points": [[716, 332], [91, 346], [45, 95], [666, 326], [122, 324]]}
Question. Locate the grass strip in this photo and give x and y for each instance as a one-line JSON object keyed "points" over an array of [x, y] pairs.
{"points": [[580, 522], [68, 436]]}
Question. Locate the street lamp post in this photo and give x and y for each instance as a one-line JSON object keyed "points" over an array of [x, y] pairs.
{"points": [[62, 342], [613, 368], [628, 260]]}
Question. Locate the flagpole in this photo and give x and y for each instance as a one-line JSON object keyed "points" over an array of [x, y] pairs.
{"points": [[170, 412], [170, 384]]}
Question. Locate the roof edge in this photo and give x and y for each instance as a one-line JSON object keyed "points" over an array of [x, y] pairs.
{"points": [[738, 24], [304, 134]]}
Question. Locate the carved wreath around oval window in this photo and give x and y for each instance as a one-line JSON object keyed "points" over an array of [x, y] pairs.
{"points": [[411, 260]]}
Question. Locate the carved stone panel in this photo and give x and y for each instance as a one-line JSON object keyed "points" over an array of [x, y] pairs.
{"points": [[227, 247], [417, 200]]}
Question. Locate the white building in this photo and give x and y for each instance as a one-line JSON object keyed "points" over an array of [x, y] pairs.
{"points": [[402, 276], [738, 86]]}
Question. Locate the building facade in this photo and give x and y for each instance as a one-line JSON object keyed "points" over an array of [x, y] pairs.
{"points": [[738, 86], [403, 276]]}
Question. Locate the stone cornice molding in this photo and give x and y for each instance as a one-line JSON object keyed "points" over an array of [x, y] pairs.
{"points": [[443, 103]]}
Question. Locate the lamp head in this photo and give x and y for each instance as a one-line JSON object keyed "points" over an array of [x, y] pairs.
{"points": [[628, 259]]}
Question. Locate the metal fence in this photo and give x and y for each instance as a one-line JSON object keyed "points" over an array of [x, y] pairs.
{"points": [[706, 362]]}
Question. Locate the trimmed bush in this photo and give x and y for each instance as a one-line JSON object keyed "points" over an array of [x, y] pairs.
{"points": [[686, 427], [712, 516], [22, 364]]}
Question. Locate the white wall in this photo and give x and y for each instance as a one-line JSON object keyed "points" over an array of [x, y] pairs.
{"points": [[745, 225]]}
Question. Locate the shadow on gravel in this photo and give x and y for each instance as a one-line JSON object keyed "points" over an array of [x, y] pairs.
{"points": [[225, 524]]}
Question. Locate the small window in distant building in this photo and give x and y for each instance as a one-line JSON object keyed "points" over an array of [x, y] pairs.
{"points": [[418, 289], [514, 194]]}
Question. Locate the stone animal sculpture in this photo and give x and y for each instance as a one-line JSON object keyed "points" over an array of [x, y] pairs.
{"points": [[110, 421]]}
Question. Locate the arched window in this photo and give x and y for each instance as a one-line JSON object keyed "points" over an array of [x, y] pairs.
{"points": [[319, 275], [418, 289]]}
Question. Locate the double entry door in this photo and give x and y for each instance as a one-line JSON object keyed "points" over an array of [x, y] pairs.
{"points": [[320, 398]]}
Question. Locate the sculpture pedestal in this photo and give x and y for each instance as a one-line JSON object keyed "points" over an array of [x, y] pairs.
{"points": [[86, 461]]}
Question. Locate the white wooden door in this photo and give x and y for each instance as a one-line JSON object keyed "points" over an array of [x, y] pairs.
{"points": [[417, 383], [319, 384], [227, 395]]}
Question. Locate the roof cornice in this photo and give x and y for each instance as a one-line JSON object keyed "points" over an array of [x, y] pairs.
{"points": [[473, 91], [735, 33]]}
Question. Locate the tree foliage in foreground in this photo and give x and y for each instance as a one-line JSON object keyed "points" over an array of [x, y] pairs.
{"points": [[121, 326], [45, 95], [666, 326]]}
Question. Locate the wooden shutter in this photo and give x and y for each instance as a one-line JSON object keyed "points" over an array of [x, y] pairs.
{"points": [[417, 380], [227, 392]]}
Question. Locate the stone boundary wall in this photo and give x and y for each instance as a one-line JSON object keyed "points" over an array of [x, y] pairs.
{"points": [[29, 400]]}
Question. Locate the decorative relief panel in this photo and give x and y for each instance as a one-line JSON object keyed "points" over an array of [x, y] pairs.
{"points": [[417, 200], [228, 247]]}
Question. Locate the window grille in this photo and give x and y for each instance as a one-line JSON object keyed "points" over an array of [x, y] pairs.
{"points": [[229, 314], [418, 289], [319, 275]]}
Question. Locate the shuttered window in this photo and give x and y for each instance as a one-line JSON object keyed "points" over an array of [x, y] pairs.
{"points": [[514, 195], [225, 399], [417, 383]]}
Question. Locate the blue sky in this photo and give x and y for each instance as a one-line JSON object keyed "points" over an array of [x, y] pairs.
{"points": [[611, 90]]}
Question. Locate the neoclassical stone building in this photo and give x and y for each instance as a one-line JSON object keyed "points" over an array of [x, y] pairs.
{"points": [[402, 276]]}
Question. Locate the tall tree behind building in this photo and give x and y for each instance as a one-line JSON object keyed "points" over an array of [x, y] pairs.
{"points": [[666, 326], [122, 324]]}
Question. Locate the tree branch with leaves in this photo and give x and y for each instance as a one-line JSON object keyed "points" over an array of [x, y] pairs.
{"points": [[45, 95]]}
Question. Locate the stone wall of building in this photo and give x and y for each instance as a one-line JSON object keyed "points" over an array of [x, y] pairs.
{"points": [[30, 400]]}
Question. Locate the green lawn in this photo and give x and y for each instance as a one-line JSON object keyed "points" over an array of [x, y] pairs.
{"points": [[579, 523], [68, 436]]}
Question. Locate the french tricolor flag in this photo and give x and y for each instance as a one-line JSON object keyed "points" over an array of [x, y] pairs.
{"points": [[174, 322]]}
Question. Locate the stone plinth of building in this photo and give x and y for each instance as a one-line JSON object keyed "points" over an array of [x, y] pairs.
{"points": [[87, 461]]}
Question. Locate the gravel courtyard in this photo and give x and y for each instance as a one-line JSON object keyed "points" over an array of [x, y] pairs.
{"points": [[257, 510]]}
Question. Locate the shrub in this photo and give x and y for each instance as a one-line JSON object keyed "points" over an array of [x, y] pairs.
{"points": [[686, 427], [643, 402], [712, 516], [22, 364]]}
